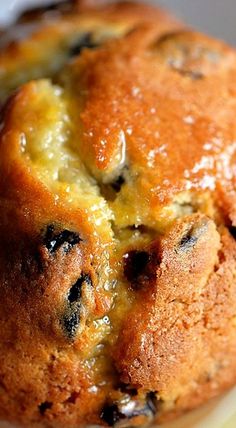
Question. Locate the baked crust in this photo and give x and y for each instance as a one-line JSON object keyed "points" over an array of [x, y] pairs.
{"points": [[118, 253]]}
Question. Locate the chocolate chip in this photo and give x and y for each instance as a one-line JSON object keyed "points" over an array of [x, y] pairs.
{"points": [[43, 407], [66, 239], [135, 264], [84, 41]]}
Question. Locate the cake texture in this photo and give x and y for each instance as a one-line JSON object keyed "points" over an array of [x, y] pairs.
{"points": [[118, 216]]}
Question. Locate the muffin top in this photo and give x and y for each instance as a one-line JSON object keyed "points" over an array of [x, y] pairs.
{"points": [[153, 107]]}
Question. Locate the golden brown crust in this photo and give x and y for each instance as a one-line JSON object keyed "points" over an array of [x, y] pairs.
{"points": [[44, 39], [117, 188], [161, 87], [181, 348]]}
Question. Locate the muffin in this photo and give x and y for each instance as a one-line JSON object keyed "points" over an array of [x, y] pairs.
{"points": [[117, 221]]}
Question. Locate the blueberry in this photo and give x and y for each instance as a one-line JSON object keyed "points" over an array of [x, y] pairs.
{"points": [[122, 412], [123, 387], [152, 402], [43, 407], [186, 56], [54, 240], [71, 323], [135, 264], [111, 414], [84, 41], [194, 75], [75, 291], [188, 241], [71, 319], [116, 185], [192, 235], [232, 230]]}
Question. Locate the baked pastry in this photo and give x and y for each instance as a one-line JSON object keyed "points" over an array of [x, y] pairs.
{"points": [[117, 224]]}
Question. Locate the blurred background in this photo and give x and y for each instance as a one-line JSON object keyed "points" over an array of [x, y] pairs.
{"points": [[216, 17]]}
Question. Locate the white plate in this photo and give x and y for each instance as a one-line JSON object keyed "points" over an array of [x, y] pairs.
{"points": [[220, 413]]}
